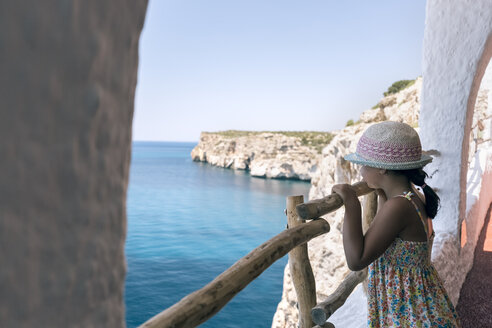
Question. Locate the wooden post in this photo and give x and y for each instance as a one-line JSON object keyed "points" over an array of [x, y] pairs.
{"points": [[325, 309], [300, 268], [202, 304], [325, 325], [370, 208]]}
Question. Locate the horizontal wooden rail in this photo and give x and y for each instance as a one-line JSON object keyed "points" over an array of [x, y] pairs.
{"points": [[202, 304], [318, 207], [321, 312]]}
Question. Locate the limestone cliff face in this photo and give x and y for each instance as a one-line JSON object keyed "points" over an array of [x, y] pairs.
{"points": [[264, 154], [275, 155], [296, 155], [326, 252], [401, 107]]}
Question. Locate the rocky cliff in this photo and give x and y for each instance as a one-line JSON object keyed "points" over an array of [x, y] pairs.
{"points": [[326, 252], [319, 158], [284, 155]]}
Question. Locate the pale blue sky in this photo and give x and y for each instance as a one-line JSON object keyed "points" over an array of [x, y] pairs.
{"points": [[212, 65]]}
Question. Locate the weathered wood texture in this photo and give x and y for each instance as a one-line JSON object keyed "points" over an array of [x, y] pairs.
{"points": [[300, 268], [370, 209], [321, 312], [202, 304], [324, 310], [319, 207], [370, 205], [326, 325]]}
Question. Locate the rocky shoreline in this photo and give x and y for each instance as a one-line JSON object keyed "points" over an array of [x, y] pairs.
{"points": [[277, 155], [274, 155], [326, 252], [298, 155]]}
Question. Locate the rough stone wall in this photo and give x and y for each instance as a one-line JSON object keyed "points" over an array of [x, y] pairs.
{"points": [[326, 252], [455, 55], [68, 73]]}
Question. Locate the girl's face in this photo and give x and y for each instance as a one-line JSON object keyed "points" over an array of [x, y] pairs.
{"points": [[371, 175]]}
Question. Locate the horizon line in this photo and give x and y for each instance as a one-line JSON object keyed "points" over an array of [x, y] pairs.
{"points": [[165, 141]]}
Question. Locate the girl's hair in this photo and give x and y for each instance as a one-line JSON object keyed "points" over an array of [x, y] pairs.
{"points": [[417, 177]]}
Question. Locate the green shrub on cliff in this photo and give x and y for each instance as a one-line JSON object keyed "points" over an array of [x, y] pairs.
{"points": [[234, 133], [315, 139], [398, 86]]}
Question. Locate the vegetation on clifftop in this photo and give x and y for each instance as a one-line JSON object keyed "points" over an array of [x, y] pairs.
{"points": [[398, 86], [394, 88], [315, 139]]}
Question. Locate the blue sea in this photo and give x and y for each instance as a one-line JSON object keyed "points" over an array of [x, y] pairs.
{"points": [[188, 222]]}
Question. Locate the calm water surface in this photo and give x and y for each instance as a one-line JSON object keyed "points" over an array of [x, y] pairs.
{"points": [[188, 222]]}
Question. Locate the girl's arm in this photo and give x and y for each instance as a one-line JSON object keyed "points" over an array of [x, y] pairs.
{"points": [[361, 250]]}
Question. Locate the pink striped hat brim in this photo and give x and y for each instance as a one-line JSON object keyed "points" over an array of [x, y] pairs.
{"points": [[358, 159]]}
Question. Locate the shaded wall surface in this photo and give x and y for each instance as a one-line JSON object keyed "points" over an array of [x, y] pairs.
{"points": [[68, 73]]}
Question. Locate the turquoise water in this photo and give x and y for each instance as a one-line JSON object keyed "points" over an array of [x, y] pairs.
{"points": [[188, 222]]}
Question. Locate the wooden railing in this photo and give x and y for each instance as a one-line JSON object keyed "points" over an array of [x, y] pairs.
{"points": [[202, 304]]}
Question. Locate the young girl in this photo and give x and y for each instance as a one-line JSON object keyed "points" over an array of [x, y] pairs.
{"points": [[404, 289]]}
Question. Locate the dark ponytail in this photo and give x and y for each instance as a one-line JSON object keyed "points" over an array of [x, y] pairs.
{"points": [[417, 177]]}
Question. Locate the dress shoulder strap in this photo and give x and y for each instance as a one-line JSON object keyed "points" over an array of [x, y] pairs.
{"points": [[408, 195]]}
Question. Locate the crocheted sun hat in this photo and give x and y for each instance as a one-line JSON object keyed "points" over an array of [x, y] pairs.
{"points": [[389, 145]]}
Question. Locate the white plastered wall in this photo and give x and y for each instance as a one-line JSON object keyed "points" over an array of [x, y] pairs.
{"points": [[457, 49]]}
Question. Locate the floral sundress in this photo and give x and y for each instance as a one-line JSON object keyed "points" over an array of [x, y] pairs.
{"points": [[404, 289]]}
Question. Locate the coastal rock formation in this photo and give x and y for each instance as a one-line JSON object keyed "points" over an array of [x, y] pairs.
{"points": [[400, 107], [297, 155], [276, 155], [332, 169], [265, 154], [326, 252]]}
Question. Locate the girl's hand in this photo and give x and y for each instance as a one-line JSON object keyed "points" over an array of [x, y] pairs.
{"points": [[345, 191]]}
